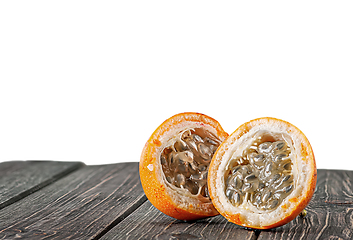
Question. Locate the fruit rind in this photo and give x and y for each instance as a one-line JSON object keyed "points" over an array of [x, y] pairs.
{"points": [[155, 187], [304, 165]]}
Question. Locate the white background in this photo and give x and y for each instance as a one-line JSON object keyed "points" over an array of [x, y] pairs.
{"points": [[91, 80]]}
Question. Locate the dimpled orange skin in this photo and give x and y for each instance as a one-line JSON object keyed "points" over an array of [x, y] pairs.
{"points": [[306, 150], [155, 190]]}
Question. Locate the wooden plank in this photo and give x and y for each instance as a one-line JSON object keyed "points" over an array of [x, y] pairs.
{"points": [[330, 212], [100, 201], [149, 223], [83, 205], [334, 186], [18, 179], [330, 216]]}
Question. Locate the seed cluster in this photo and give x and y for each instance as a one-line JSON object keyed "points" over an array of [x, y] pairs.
{"points": [[185, 163], [261, 176]]}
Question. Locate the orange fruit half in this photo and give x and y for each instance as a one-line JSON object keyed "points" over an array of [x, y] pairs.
{"points": [[263, 175], [174, 165]]}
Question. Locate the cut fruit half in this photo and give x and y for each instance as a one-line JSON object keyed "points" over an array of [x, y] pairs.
{"points": [[174, 165], [263, 175]]}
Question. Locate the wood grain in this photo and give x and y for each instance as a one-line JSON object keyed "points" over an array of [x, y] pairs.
{"points": [[56, 200], [83, 205], [330, 216], [149, 223], [18, 179], [334, 187], [330, 212]]}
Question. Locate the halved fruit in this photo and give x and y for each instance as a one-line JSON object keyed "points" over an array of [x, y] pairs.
{"points": [[174, 165], [263, 175]]}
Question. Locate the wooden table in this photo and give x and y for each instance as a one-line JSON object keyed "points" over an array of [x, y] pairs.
{"points": [[69, 200]]}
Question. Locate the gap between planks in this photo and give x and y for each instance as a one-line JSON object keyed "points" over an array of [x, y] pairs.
{"points": [[75, 166], [121, 218], [104, 180], [331, 197]]}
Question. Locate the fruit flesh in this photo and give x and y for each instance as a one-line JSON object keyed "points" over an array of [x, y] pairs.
{"points": [[173, 201], [185, 161], [262, 175], [303, 169]]}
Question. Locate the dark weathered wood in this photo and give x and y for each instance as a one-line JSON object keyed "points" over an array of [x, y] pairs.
{"points": [[21, 178], [330, 216], [43, 201], [83, 205], [149, 223], [334, 186], [330, 212]]}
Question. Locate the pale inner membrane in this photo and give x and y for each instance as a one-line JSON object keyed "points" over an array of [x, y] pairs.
{"points": [[262, 174], [185, 161]]}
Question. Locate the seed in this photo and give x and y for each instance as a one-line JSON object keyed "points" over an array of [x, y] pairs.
{"points": [[191, 144], [180, 180], [213, 148], [287, 166], [234, 170], [288, 188], [280, 145], [229, 193], [247, 188], [209, 140], [237, 180], [246, 170], [196, 177], [268, 169], [258, 158], [204, 175], [266, 196], [283, 182], [193, 189], [238, 183], [204, 191], [259, 165], [202, 167], [193, 167], [265, 147], [163, 160], [236, 198], [279, 157], [169, 179], [284, 188], [230, 180], [187, 156], [272, 204], [204, 151], [250, 178], [196, 138], [258, 198], [182, 168], [278, 194], [275, 178], [287, 178], [180, 146], [172, 160]]}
